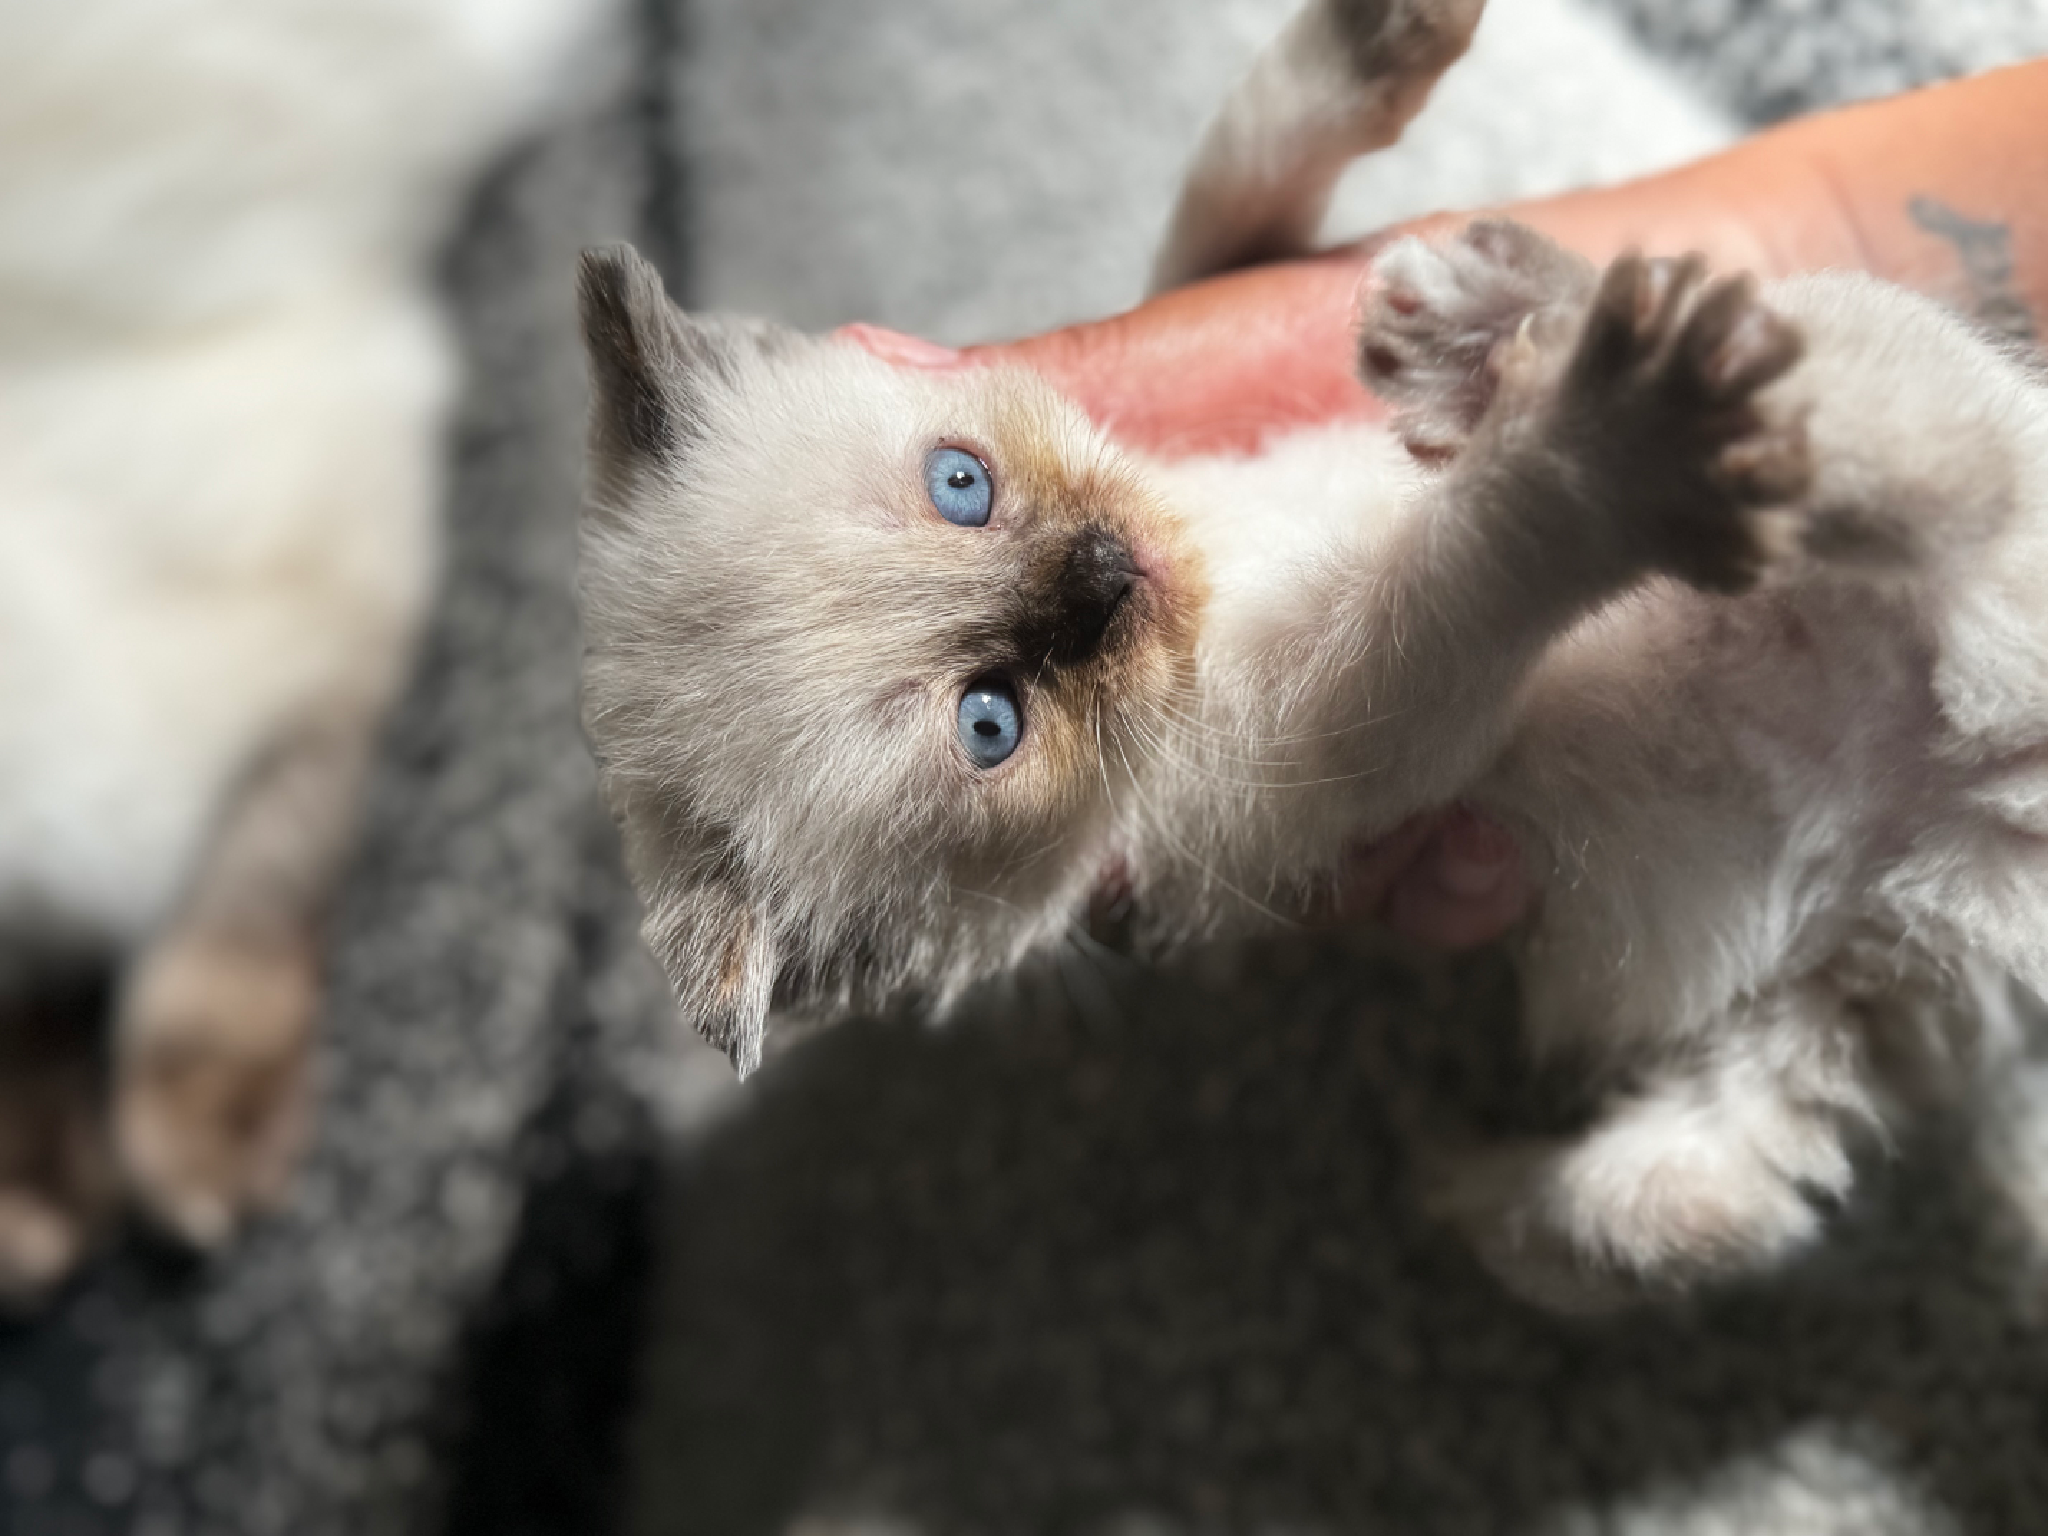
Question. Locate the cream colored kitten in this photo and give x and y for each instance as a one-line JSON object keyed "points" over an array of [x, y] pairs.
{"points": [[223, 381], [1721, 601]]}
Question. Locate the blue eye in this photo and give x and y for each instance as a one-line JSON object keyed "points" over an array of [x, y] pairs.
{"points": [[989, 723], [958, 485]]}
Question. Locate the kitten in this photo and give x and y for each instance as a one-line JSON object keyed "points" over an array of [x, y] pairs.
{"points": [[223, 381], [1718, 598]]}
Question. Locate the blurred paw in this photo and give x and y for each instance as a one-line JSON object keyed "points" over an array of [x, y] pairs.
{"points": [[209, 1103]]}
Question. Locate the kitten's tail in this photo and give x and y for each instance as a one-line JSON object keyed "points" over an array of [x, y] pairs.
{"points": [[1342, 80]]}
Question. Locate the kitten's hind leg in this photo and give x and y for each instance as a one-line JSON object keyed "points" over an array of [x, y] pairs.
{"points": [[1343, 79], [1713, 1169]]}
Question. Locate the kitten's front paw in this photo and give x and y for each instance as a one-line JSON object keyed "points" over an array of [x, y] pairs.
{"points": [[1437, 317], [1660, 414], [210, 1088]]}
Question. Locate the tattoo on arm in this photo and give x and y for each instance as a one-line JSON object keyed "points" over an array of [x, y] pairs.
{"points": [[1985, 249]]}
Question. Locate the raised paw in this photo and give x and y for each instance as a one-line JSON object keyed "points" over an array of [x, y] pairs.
{"points": [[210, 1080], [1661, 411], [1437, 318]]}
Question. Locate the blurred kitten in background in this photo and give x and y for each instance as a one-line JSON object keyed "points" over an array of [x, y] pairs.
{"points": [[223, 383]]}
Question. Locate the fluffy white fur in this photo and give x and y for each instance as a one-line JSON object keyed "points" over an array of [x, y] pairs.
{"points": [[1720, 601], [223, 383], [223, 378]]}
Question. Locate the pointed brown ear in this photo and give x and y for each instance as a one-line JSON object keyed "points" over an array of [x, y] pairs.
{"points": [[638, 353], [719, 952], [650, 363]]}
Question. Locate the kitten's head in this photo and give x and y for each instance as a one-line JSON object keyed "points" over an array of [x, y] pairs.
{"points": [[870, 651]]}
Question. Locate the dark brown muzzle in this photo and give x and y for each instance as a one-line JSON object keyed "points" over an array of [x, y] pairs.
{"points": [[1095, 576]]}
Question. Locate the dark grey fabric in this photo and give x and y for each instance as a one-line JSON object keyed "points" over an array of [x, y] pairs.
{"points": [[1142, 1255]]}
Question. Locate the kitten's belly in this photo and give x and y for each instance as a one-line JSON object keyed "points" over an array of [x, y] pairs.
{"points": [[1718, 790], [196, 545]]}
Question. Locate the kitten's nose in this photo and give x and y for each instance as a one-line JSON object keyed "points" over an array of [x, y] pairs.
{"points": [[1097, 575]]}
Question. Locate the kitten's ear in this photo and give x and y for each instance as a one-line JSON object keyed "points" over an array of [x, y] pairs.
{"points": [[651, 365], [718, 949], [635, 339]]}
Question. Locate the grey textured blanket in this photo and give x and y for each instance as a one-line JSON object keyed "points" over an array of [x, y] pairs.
{"points": [[1123, 1252]]}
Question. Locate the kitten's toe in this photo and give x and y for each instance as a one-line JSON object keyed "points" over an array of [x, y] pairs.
{"points": [[210, 1090], [1734, 344], [1439, 321]]}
